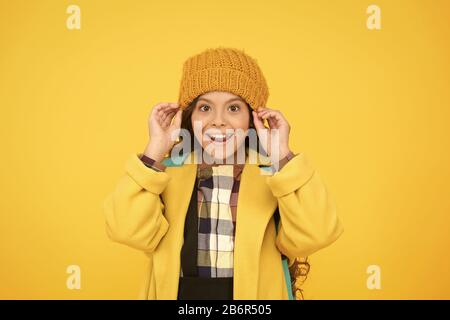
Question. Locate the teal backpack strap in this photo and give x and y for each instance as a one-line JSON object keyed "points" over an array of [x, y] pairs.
{"points": [[284, 260], [176, 161]]}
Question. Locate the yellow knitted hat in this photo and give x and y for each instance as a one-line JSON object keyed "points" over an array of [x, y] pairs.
{"points": [[223, 69]]}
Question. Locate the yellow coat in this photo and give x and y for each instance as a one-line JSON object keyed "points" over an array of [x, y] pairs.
{"points": [[136, 216]]}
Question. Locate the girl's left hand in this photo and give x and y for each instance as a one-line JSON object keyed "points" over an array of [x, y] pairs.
{"points": [[277, 121]]}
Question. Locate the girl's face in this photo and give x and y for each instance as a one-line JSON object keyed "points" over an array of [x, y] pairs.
{"points": [[220, 121]]}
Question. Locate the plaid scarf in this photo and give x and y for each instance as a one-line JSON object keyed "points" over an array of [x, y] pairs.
{"points": [[217, 191], [217, 195]]}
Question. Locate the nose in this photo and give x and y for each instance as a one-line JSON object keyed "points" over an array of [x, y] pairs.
{"points": [[218, 120]]}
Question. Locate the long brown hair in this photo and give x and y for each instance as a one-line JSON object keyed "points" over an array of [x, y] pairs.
{"points": [[300, 267]]}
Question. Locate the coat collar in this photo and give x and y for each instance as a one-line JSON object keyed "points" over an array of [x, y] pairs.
{"points": [[193, 157], [256, 205]]}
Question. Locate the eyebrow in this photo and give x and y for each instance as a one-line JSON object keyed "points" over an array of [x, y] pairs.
{"points": [[232, 99]]}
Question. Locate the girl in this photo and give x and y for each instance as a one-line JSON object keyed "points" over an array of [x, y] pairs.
{"points": [[225, 210]]}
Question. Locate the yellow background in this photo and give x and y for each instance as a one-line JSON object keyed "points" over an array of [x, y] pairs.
{"points": [[371, 108]]}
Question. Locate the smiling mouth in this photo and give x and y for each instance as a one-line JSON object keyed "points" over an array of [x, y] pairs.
{"points": [[219, 138]]}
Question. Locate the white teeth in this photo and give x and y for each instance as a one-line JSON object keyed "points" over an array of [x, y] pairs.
{"points": [[219, 137]]}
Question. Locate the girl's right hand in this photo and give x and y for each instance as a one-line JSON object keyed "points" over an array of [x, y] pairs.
{"points": [[161, 129]]}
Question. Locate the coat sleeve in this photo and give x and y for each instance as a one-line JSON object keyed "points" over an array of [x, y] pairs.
{"points": [[134, 211], [308, 219]]}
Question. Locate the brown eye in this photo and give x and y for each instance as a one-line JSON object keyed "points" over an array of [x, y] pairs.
{"points": [[234, 108], [204, 107]]}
